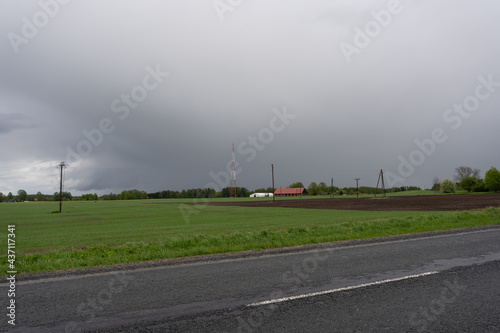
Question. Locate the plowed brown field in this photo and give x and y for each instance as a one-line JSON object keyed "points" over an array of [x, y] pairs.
{"points": [[404, 203]]}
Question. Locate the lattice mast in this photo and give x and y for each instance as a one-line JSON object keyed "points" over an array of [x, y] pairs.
{"points": [[232, 185]]}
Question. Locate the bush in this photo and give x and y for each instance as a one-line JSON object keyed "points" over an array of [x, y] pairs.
{"points": [[468, 183], [448, 186], [480, 187], [492, 179]]}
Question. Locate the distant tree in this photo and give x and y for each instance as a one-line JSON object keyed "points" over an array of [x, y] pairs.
{"points": [[296, 185], [448, 186], [22, 195], [468, 183], [1, 197], [323, 188], [39, 196], [90, 196], [132, 195], [210, 193], [110, 196], [242, 192], [65, 196], [171, 194], [492, 179], [435, 184], [10, 196], [464, 171], [313, 189], [480, 186], [224, 192]]}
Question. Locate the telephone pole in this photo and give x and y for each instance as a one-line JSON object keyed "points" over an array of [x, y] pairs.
{"points": [[232, 185], [357, 187], [333, 192], [62, 165], [272, 171]]}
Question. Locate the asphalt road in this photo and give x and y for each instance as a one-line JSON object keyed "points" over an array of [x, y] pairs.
{"points": [[447, 283]]}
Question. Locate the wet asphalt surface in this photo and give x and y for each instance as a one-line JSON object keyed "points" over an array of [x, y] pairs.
{"points": [[213, 296]]}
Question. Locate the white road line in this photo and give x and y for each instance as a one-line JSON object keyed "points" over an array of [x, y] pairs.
{"points": [[285, 299]]}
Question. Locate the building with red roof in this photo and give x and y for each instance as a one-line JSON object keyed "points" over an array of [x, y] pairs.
{"points": [[290, 192]]}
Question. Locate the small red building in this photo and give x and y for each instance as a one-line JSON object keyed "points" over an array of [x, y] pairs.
{"points": [[290, 192]]}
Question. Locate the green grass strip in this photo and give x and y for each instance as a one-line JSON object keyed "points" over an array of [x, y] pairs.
{"points": [[199, 244]]}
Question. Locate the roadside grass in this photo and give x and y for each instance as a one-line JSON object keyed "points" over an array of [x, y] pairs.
{"points": [[89, 234]]}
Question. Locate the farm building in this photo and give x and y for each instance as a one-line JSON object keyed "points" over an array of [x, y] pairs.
{"points": [[290, 192], [260, 195]]}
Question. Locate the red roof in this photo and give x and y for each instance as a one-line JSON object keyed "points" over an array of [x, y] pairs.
{"points": [[289, 190]]}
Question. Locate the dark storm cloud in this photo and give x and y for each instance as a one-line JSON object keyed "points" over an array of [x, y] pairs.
{"points": [[78, 84]]}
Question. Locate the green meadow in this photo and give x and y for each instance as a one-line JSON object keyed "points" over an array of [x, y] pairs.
{"points": [[88, 233]]}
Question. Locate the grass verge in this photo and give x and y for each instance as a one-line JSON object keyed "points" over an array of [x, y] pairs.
{"points": [[198, 244]]}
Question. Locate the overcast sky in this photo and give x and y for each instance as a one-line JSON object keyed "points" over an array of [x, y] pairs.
{"points": [[152, 94]]}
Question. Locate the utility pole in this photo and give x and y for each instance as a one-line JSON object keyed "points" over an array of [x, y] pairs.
{"points": [[272, 171], [357, 187], [383, 185], [62, 165], [333, 193], [232, 185], [380, 177]]}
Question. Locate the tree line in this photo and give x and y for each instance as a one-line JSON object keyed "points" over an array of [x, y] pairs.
{"points": [[468, 179], [323, 189], [200, 193], [464, 178]]}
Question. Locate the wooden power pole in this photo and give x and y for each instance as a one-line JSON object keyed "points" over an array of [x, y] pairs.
{"points": [[357, 187], [272, 171], [62, 165]]}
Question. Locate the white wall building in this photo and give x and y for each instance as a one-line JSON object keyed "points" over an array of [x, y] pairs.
{"points": [[261, 195]]}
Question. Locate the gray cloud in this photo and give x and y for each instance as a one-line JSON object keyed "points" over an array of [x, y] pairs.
{"points": [[225, 79]]}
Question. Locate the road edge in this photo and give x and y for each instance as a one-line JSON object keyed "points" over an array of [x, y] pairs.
{"points": [[240, 255]]}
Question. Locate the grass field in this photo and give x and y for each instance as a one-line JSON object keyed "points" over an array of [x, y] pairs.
{"points": [[91, 233]]}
